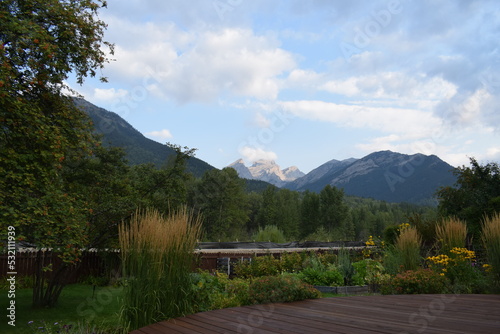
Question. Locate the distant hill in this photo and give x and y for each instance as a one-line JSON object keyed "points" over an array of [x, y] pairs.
{"points": [[139, 149], [385, 175]]}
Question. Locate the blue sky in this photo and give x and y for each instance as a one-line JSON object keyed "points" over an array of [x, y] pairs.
{"points": [[304, 82]]}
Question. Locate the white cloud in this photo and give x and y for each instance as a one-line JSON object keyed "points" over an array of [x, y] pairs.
{"points": [[108, 95], [393, 85], [410, 122], [252, 154], [199, 65], [162, 134]]}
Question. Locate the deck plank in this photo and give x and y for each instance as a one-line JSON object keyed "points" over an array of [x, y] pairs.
{"points": [[430, 314]]}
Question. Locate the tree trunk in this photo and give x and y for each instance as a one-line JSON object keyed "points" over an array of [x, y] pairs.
{"points": [[46, 292]]}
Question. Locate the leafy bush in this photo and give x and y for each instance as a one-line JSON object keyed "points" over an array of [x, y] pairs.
{"points": [[259, 266], [459, 266], [95, 280], [390, 234], [278, 289], [368, 271], [270, 233], [425, 281], [217, 291], [321, 277], [292, 262]]}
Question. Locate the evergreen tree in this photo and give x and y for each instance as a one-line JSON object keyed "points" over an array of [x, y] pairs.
{"points": [[310, 213], [334, 212]]}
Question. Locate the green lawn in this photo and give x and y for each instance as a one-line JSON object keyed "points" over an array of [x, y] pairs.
{"points": [[77, 304]]}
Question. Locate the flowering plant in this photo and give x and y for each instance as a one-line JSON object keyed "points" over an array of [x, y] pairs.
{"points": [[459, 266], [278, 289], [415, 281]]}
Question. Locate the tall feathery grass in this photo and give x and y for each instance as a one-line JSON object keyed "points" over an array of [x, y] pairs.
{"points": [[157, 258], [491, 239], [407, 247], [451, 233]]}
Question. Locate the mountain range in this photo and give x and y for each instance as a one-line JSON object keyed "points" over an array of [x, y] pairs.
{"points": [[384, 175], [268, 171]]}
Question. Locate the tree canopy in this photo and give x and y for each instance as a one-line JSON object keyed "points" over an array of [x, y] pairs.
{"points": [[42, 131], [475, 195]]}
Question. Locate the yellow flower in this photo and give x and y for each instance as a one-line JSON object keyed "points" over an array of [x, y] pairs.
{"points": [[442, 274]]}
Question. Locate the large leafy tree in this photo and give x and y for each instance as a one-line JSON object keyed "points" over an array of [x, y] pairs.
{"points": [[164, 189], [221, 200], [476, 194], [42, 132]]}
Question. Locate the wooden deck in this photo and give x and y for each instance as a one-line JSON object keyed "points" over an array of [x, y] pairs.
{"points": [[468, 314]]}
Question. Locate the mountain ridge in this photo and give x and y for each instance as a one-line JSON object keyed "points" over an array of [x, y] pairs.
{"points": [[266, 170], [382, 175], [386, 175]]}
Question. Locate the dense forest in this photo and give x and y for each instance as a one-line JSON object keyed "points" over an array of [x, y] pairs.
{"points": [[231, 208]]}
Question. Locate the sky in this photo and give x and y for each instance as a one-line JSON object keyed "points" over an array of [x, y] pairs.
{"points": [[304, 82]]}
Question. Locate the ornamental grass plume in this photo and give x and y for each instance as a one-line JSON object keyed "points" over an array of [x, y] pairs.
{"points": [[157, 258], [491, 239], [408, 248], [451, 233]]}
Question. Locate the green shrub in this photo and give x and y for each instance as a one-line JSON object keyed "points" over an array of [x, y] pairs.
{"points": [[259, 266], [216, 291], [292, 262], [327, 258], [420, 281], [459, 266], [95, 280], [390, 234], [321, 277], [278, 289], [270, 233], [368, 271]]}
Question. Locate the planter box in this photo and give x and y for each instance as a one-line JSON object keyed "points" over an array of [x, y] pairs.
{"points": [[347, 290]]}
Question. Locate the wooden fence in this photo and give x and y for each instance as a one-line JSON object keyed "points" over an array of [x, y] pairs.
{"points": [[91, 264], [103, 263]]}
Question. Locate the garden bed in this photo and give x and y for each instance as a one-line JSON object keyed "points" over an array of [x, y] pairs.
{"points": [[346, 290]]}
